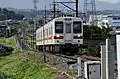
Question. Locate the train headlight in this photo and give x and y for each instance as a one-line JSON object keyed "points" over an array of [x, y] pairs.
{"points": [[78, 35], [57, 36]]}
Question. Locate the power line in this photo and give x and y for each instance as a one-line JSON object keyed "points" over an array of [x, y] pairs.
{"points": [[65, 3]]}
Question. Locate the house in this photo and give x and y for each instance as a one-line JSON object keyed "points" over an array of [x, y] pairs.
{"points": [[109, 20]]}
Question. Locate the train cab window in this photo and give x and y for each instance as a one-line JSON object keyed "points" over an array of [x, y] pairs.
{"points": [[68, 28], [58, 27], [77, 27]]}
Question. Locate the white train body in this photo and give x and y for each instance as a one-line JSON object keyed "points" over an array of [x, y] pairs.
{"points": [[60, 33], [63, 30]]}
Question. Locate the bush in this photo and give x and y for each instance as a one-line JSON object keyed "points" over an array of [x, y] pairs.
{"points": [[5, 51], [5, 76], [9, 49], [94, 50]]}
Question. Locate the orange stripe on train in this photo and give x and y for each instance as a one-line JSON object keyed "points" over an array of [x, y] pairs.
{"points": [[78, 37], [58, 37]]}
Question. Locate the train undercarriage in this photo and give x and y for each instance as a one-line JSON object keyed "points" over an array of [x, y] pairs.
{"points": [[67, 49]]}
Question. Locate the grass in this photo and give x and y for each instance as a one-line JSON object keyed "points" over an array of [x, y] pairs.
{"points": [[19, 66]]}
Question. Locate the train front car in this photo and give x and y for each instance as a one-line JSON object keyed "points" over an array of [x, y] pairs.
{"points": [[68, 34], [63, 35]]}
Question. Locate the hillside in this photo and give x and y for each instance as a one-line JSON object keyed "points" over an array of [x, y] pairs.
{"points": [[19, 66], [29, 12], [6, 15]]}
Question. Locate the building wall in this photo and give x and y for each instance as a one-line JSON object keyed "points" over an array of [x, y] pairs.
{"points": [[114, 20]]}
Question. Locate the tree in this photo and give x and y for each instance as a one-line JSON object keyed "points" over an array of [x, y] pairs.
{"points": [[4, 11], [30, 21], [96, 33], [2, 17], [5, 15]]}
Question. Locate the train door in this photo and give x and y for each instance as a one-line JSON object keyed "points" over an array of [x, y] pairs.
{"points": [[68, 32]]}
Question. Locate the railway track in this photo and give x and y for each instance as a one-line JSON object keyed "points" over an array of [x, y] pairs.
{"points": [[84, 57], [22, 43], [69, 58], [59, 61]]}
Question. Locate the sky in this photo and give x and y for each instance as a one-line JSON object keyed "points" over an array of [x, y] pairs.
{"points": [[111, 1], [28, 4]]}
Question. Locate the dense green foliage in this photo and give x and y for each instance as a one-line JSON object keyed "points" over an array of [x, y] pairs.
{"points": [[4, 51], [94, 50], [19, 66], [7, 46], [6, 15], [96, 33], [16, 66], [8, 42], [90, 50], [30, 21]]}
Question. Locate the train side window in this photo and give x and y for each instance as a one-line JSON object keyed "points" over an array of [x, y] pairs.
{"points": [[58, 27], [51, 31], [47, 32], [77, 27], [44, 33], [40, 35]]}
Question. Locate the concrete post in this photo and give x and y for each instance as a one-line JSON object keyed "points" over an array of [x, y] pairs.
{"points": [[118, 51], [109, 60], [103, 62], [79, 67]]}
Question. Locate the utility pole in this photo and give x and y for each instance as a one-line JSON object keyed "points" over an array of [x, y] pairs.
{"points": [[35, 4], [85, 9], [93, 10], [54, 9], [22, 35], [34, 19], [44, 52], [45, 15], [76, 8]]}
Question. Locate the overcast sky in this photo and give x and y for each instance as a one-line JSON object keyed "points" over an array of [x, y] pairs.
{"points": [[28, 4], [111, 1]]}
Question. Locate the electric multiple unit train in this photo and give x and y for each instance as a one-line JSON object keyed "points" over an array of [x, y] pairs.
{"points": [[63, 34]]}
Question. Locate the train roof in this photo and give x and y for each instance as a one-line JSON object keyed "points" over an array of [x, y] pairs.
{"points": [[65, 17], [60, 18]]}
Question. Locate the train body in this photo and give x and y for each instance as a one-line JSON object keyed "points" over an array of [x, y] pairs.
{"points": [[60, 34]]}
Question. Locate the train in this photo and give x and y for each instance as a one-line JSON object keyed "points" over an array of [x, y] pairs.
{"points": [[60, 35]]}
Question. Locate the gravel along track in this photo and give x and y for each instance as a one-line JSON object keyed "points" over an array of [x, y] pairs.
{"points": [[60, 62]]}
